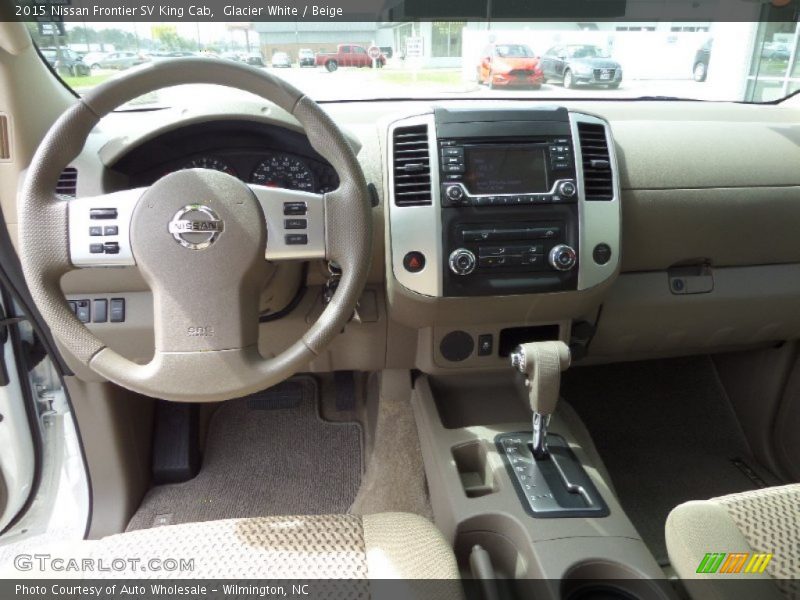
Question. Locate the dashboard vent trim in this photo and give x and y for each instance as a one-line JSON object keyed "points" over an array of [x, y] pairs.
{"points": [[412, 166], [68, 182], [598, 179], [5, 138]]}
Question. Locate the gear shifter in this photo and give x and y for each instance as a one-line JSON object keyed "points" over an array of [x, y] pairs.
{"points": [[541, 364]]}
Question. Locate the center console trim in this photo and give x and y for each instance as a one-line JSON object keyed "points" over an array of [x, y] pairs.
{"points": [[419, 228]]}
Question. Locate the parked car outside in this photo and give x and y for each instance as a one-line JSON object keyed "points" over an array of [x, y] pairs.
{"points": [[506, 65], [775, 51], [701, 59], [575, 64], [92, 59], [305, 57], [281, 60], [69, 63], [255, 59], [122, 60], [347, 55]]}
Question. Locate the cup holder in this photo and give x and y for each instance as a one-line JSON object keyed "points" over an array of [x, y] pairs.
{"points": [[608, 580]]}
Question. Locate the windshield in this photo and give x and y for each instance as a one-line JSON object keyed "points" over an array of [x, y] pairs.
{"points": [[514, 51], [753, 61]]}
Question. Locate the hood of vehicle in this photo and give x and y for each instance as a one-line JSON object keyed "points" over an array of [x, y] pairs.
{"points": [[595, 63], [512, 63]]}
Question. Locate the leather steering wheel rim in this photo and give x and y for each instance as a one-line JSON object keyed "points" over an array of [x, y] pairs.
{"points": [[226, 364]]}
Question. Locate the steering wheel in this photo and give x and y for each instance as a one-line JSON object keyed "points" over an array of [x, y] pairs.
{"points": [[201, 240]]}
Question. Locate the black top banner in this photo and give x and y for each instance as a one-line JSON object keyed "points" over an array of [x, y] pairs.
{"points": [[87, 11]]}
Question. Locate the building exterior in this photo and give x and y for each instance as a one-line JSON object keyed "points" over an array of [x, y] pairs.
{"points": [[319, 37]]}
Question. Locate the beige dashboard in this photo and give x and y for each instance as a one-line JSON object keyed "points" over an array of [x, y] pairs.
{"points": [[709, 195]]}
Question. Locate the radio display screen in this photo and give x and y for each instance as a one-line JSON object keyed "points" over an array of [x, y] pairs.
{"points": [[506, 169]]}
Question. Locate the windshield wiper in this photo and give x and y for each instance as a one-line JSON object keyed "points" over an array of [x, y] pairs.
{"points": [[669, 98]]}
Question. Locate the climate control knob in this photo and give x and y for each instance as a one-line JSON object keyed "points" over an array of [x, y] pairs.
{"points": [[563, 257], [462, 262], [454, 193], [567, 189]]}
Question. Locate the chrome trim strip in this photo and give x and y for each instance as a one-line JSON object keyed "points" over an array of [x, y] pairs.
{"points": [[417, 228], [599, 221]]}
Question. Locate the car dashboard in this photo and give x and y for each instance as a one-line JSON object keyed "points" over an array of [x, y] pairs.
{"points": [[627, 229]]}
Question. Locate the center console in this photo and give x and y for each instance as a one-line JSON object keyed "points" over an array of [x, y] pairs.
{"points": [[496, 202]]}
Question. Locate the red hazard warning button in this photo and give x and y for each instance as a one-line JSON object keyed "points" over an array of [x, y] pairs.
{"points": [[414, 262]]}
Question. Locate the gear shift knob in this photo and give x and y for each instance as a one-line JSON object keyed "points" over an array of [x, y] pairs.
{"points": [[541, 363]]}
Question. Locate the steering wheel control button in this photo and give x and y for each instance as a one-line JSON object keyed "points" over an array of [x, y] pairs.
{"points": [[294, 208], [96, 248], [601, 254], [296, 239], [95, 231], [117, 310], [414, 262], [462, 261], [295, 224], [485, 344], [102, 213], [111, 230], [83, 311], [196, 227], [111, 248], [457, 346], [100, 311], [563, 257]]}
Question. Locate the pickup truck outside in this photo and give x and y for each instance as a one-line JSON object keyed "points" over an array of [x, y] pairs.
{"points": [[347, 55]]}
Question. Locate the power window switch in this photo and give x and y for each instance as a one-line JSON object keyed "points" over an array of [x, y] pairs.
{"points": [[111, 230], [73, 306], [100, 311], [117, 310], [95, 231], [83, 311], [111, 248], [96, 248], [485, 344]]}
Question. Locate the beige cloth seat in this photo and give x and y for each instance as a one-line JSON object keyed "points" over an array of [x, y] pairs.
{"points": [[761, 521], [322, 547]]}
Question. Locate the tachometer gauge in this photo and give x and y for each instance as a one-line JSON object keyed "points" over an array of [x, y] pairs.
{"points": [[209, 162], [284, 171]]}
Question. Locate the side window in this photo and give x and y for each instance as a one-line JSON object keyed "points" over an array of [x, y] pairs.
{"points": [[552, 51], [359, 50], [345, 49]]}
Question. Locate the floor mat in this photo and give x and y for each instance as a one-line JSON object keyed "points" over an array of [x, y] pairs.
{"points": [[666, 433], [266, 454]]}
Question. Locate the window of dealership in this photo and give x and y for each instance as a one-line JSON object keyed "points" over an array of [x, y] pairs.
{"points": [[775, 66]]}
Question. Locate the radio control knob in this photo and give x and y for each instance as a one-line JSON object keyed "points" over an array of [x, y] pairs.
{"points": [[455, 193], [462, 262], [563, 257], [567, 189]]}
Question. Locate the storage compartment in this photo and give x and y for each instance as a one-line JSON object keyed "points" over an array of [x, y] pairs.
{"points": [[608, 580], [748, 306], [514, 336], [474, 469], [479, 399]]}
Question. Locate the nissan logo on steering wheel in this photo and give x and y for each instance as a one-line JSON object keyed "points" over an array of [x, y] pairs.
{"points": [[195, 227]]}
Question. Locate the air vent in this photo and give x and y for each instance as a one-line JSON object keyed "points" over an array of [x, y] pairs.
{"points": [[598, 183], [412, 166], [5, 138], [68, 182]]}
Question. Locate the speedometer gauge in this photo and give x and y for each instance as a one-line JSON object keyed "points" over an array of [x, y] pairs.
{"points": [[209, 162], [284, 171]]}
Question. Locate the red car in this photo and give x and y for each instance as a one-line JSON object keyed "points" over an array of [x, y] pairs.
{"points": [[347, 55], [506, 65]]}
